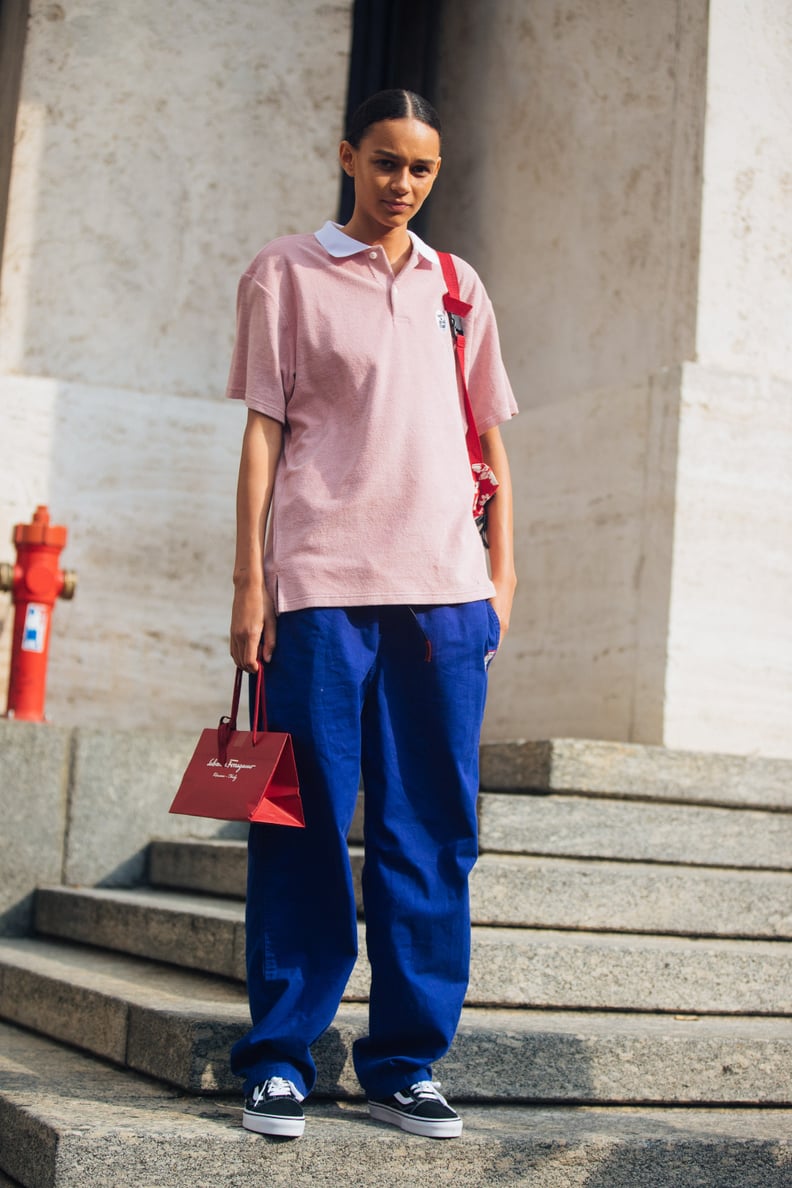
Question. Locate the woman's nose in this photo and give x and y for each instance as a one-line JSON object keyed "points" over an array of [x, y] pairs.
{"points": [[401, 181]]}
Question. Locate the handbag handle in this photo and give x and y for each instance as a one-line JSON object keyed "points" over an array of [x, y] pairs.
{"points": [[227, 726]]}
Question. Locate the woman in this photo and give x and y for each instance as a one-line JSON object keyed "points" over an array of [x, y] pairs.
{"points": [[375, 615]]}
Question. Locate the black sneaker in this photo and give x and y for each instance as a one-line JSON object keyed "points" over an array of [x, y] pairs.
{"points": [[273, 1107], [419, 1110]]}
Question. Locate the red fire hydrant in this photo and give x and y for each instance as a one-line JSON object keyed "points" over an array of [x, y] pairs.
{"points": [[35, 582]]}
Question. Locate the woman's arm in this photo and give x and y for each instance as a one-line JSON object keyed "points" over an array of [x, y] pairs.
{"points": [[252, 612], [500, 527]]}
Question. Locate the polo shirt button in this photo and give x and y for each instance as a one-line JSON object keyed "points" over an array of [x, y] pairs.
{"points": [[373, 255]]}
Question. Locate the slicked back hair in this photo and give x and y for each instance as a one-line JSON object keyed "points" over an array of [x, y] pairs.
{"points": [[391, 105]]}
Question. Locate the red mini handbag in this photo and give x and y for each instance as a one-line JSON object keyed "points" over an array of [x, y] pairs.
{"points": [[242, 775]]}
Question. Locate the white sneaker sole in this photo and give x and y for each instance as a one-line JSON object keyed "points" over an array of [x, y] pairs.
{"points": [[425, 1127], [273, 1124]]}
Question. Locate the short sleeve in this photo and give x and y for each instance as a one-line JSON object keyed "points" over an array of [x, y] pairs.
{"points": [[262, 364]]}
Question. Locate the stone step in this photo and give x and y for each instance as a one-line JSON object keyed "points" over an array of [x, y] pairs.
{"points": [[628, 828], [628, 771], [511, 890], [549, 892], [213, 867], [632, 830], [68, 1119], [193, 931], [179, 1026], [510, 967]]}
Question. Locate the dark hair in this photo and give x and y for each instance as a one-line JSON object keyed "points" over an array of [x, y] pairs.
{"points": [[391, 105]]}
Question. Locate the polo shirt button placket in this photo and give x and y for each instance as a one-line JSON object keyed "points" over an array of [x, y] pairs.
{"points": [[398, 307]]}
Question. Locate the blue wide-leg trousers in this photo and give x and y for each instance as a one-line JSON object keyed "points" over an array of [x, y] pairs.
{"points": [[398, 693]]}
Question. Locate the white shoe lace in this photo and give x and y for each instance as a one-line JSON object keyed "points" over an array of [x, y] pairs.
{"points": [[428, 1089], [276, 1087]]}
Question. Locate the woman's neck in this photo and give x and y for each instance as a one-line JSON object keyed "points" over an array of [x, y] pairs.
{"points": [[396, 242]]}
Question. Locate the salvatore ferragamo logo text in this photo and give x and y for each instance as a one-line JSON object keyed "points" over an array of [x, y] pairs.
{"points": [[231, 770]]}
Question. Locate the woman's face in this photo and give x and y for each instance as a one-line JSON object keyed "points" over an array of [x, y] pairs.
{"points": [[394, 170]]}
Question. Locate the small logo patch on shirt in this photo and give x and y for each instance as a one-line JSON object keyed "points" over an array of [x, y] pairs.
{"points": [[442, 320]]}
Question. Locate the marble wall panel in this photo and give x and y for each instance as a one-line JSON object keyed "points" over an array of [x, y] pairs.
{"points": [[655, 568], [729, 682], [571, 179], [145, 485], [568, 665], [745, 292], [158, 147]]}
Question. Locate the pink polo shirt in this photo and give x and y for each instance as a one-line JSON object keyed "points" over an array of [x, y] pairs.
{"points": [[373, 492]]}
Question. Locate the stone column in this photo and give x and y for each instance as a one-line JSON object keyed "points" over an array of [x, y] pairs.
{"points": [[620, 176]]}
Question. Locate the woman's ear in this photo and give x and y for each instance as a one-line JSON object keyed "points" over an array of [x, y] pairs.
{"points": [[346, 155]]}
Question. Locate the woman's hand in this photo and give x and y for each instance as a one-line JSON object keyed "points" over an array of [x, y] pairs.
{"points": [[253, 623], [500, 532], [502, 605]]}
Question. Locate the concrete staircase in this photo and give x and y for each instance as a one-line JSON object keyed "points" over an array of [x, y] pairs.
{"points": [[628, 1018]]}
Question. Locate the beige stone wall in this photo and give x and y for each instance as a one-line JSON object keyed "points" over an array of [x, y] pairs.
{"points": [[729, 675], [745, 286], [656, 567], [572, 178], [158, 147], [619, 173], [587, 652]]}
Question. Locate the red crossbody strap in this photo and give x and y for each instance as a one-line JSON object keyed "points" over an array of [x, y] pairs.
{"points": [[457, 310]]}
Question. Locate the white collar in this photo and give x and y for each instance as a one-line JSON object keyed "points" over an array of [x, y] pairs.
{"points": [[338, 244]]}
